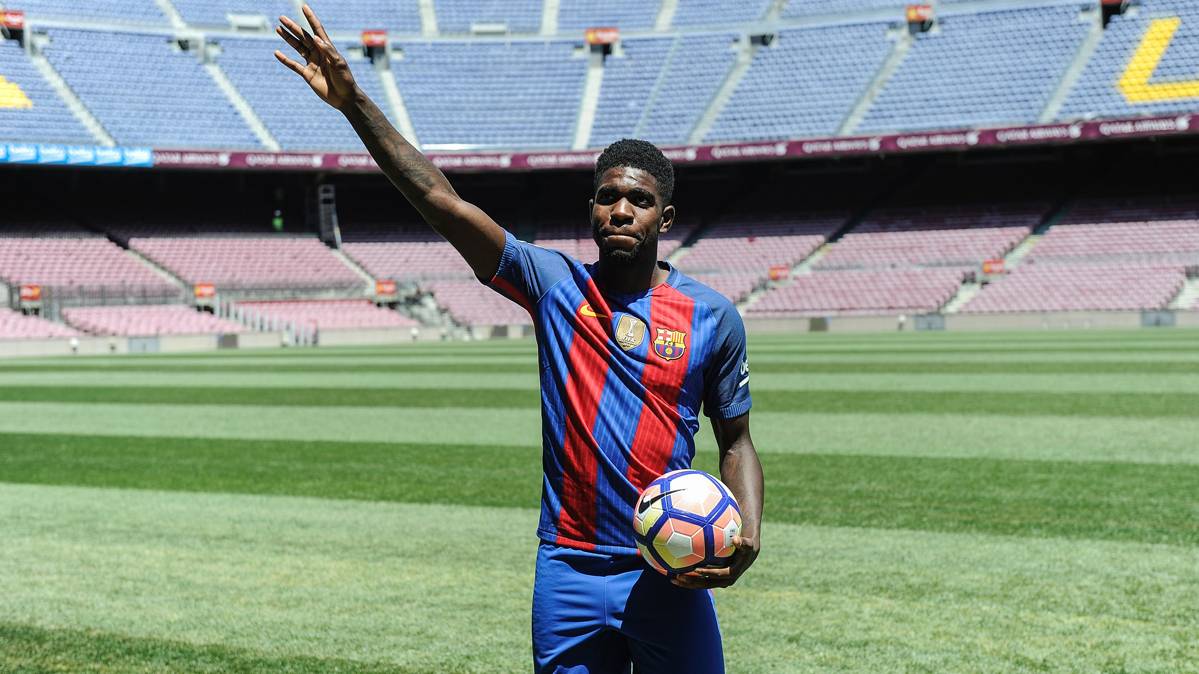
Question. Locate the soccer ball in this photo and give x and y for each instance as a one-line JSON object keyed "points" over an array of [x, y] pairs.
{"points": [[684, 520]]}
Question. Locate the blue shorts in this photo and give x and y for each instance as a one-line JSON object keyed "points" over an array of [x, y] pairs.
{"points": [[595, 613]]}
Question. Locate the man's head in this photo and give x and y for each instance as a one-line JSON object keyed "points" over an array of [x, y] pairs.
{"points": [[634, 184]]}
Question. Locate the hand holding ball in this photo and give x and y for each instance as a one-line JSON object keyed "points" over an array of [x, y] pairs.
{"points": [[684, 520]]}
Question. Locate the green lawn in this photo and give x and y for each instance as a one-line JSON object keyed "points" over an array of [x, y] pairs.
{"points": [[935, 503]]}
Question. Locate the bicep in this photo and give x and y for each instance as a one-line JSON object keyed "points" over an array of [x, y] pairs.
{"points": [[731, 433], [476, 237]]}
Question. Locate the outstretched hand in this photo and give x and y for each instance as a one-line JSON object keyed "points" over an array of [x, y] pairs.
{"points": [[324, 68], [710, 578]]}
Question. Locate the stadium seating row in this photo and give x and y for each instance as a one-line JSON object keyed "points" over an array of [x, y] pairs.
{"points": [[989, 67]]}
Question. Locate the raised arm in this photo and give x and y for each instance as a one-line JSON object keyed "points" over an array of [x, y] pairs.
{"points": [[741, 470], [472, 232]]}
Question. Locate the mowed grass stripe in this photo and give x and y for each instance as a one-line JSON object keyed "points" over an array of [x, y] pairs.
{"points": [[33, 649], [1135, 502], [831, 402], [930, 435], [487, 382], [307, 578], [822, 365]]}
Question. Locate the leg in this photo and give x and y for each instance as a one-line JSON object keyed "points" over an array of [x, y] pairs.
{"points": [[670, 629], [570, 635]]}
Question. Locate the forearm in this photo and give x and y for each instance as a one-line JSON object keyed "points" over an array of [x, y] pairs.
{"points": [[741, 471], [417, 178]]}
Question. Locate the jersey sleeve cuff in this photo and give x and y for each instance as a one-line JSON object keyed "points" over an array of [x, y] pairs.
{"points": [[731, 411], [505, 259]]}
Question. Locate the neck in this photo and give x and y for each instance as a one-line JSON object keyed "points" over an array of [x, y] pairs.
{"points": [[635, 278]]}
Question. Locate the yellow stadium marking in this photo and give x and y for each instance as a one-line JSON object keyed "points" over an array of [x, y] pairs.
{"points": [[11, 95], [1134, 83]]}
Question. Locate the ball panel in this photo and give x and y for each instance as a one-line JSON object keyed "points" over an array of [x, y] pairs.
{"points": [[691, 524]]}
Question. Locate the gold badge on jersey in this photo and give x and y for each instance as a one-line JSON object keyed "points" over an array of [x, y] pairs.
{"points": [[630, 332]]}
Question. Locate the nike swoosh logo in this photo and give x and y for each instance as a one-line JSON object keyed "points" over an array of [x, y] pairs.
{"points": [[586, 310], [645, 505]]}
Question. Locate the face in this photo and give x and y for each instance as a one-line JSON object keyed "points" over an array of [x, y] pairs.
{"points": [[627, 215]]}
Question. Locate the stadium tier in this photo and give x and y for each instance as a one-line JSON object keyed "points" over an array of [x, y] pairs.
{"points": [[72, 266], [804, 84], [293, 116], [626, 14], [15, 325], [492, 94], [216, 12], [131, 11], [458, 16], [1051, 287], [420, 257], [471, 303], [148, 321], [29, 108], [760, 78], [736, 245], [1146, 231], [145, 91], [250, 263], [987, 69], [329, 314], [860, 292], [1121, 79]]}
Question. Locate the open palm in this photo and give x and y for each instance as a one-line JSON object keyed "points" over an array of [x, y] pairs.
{"points": [[324, 69]]}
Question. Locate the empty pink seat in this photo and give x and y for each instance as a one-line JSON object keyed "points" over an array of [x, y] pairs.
{"points": [[73, 266], [1079, 287], [472, 303], [329, 314], [148, 320], [15, 325], [861, 292], [251, 263]]}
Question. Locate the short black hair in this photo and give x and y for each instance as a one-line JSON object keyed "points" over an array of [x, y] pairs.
{"points": [[638, 154]]}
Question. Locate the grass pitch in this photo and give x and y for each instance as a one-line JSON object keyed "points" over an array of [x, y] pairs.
{"points": [[935, 502]]}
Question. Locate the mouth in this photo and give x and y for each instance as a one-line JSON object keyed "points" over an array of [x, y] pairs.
{"points": [[619, 240]]}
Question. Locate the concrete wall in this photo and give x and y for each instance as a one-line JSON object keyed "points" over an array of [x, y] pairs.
{"points": [[1080, 320], [377, 336]]}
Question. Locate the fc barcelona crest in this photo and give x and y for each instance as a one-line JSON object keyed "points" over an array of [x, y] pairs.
{"points": [[670, 344], [630, 332]]}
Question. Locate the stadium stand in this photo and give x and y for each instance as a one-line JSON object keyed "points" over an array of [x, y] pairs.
{"points": [[629, 85], [409, 257], [492, 94], [1115, 230], [127, 11], [623, 14], [804, 84], [400, 16], [471, 303], [148, 321], [216, 12], [686, 87], [156, 95], [15, 325], [295, 118], [71, 267], [736, 286], [250, 263], [860, 292], [719, 12], [330, 314], [1081, 287], [457, 16], [983, 69], [1096, 96], [796, 9], [29, 108]]}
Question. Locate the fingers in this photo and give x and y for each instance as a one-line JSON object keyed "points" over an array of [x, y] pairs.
{"points": [[299, 34], [291, 40], [295, 67], [317, 28]]}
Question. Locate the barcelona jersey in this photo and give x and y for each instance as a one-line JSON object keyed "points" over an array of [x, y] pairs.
{"points": [[623, 378]]}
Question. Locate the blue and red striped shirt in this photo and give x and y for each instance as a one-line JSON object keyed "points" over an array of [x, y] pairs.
{"points": [[622, 381]]}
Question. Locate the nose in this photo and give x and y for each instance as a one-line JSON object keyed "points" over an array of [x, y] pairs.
{"points": [[622, 211]]}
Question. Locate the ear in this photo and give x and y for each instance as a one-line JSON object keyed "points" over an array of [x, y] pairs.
{"points": [[667, 222]]}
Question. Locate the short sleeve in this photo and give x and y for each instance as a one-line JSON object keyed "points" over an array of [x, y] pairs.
{"points": [[726, 377], [526, 272]]}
